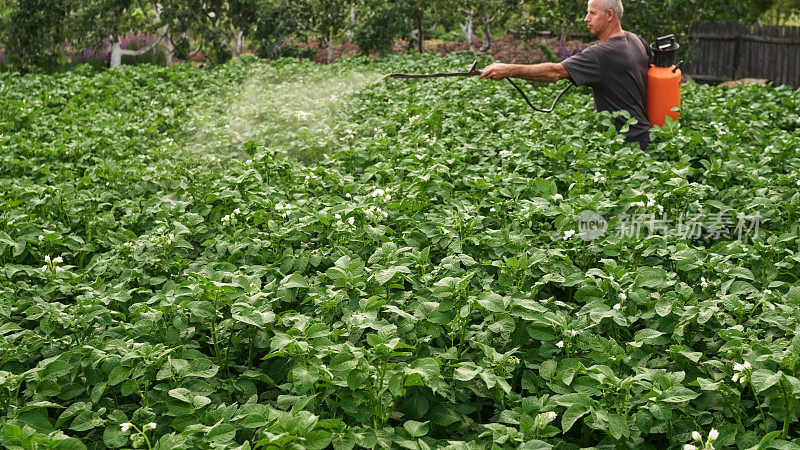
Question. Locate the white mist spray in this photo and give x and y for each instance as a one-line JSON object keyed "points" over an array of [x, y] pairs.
{"points": [[289, 108]]}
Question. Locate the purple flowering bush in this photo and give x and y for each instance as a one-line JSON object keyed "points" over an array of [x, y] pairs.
{"points": [[565, 51]]}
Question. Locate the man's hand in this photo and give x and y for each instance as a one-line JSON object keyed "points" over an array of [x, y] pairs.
{"points": [[496, 71]]}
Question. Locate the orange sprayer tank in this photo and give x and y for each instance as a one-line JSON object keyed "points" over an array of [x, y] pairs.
{"points": [[663, 82], [663, 94]]}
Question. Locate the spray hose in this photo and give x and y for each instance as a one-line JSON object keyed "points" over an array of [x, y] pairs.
{"points": [[473, 72]]}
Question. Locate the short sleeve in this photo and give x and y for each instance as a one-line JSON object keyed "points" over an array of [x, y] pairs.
{"points": [[583, 68]]}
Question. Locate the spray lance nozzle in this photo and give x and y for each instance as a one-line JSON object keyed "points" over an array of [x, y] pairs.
{"points": [[472, 72]]}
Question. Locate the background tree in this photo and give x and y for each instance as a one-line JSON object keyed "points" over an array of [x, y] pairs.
{"points": [[279, 26], [328, 19], [379, 24], [92, 22], [654, 18], [558, 16], [217, 27], [782, 12], [32, 34], [494, 11], [416, 11], [241, 14]]}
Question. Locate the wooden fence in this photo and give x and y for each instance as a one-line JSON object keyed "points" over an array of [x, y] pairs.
{"points": [[734, 50]]}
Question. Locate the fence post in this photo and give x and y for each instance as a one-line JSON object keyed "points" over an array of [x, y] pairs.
{"points": [[736, 53]]}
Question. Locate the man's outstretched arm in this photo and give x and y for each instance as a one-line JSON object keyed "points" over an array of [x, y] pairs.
{"points": [[547, 72]]}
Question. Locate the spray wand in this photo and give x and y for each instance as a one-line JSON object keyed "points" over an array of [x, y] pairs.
{"points": [[473, 72]]}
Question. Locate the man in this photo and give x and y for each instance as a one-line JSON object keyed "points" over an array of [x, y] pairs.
{"points": [[615, 69]]}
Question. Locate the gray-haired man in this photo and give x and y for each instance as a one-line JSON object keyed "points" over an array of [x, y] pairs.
{"points": [[615, 69]]}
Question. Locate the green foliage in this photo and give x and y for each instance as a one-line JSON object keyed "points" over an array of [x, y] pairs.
{"points": [[209, 29], [558, 15], [782, 12], [379, 27], [278, 25], [650, 19], [328, 17], [216, 49], [654, 19], [170, 276], [90, 22], [31, 33]]}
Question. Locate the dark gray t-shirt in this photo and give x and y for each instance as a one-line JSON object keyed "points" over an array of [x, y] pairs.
{"points": [[616, 70]]}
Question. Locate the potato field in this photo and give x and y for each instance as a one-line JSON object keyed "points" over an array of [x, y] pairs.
{"points": [[288, 255]]}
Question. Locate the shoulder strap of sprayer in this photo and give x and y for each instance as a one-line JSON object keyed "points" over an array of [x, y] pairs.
{"points": [[646, 48]]}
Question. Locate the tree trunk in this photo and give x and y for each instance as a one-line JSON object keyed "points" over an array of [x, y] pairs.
{"points": [[169, 49], [239, 42], [487, 31], [421, 28], [349, 31], [116, 53], [466, 27], [330, 47]]}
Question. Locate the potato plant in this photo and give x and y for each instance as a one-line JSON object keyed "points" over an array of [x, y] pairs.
{"points": [[285, 255]]}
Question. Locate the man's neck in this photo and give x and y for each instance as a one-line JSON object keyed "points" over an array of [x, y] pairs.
{"points": [[611, 31]]}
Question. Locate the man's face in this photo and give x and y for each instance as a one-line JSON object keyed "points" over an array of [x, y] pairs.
{"points": [[596, 19]]}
